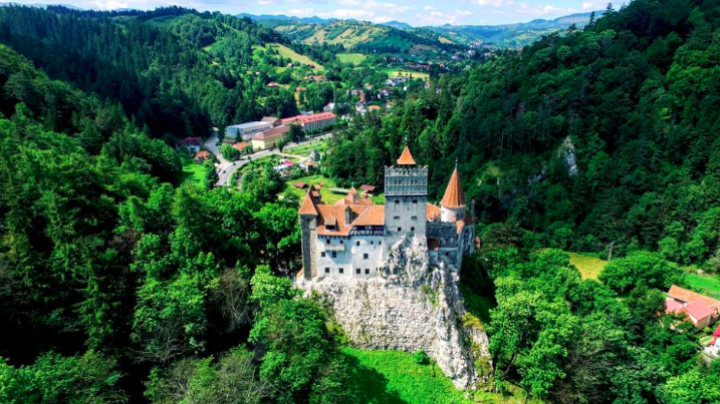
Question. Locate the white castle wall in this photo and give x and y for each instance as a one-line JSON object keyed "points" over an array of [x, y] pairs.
{"points": [[350, 255], [413, 304]]}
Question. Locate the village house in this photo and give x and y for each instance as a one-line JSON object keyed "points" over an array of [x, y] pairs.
{"points": [[270, 138], [201, 156], [246, 131], [700, 310], [351, 238], [192, 144], [312, 122]]}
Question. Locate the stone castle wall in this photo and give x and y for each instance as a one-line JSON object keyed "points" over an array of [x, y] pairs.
{"points": [[413, 305]]}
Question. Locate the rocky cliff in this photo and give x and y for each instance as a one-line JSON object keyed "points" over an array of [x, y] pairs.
{"points": [[414, 304]]}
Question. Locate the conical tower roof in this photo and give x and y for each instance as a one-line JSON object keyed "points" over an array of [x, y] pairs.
{"points": [[406, 159], [308, 205], [454, 196]]}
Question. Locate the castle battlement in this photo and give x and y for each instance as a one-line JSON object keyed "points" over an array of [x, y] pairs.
{"points": [[352, 238]]}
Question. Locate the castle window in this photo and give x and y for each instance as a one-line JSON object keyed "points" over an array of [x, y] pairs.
{"points": [[322, 254], [367, 271], [372, 242], [397, 201], [357, 271], [342, 271], [396, 218], [341, 241], [414, 201], [414, 218], [327, 270], [399, 229], [327, 240], [357, 243], [334, 254], [379, 242], [412, 229], [365, 256]]}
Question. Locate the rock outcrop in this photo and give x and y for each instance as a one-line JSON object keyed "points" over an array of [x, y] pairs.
{"points": [[414, 304]]}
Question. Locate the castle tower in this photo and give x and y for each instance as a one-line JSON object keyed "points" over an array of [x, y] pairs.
{"points": [[452, 206], [405, 198], [308, 225]]}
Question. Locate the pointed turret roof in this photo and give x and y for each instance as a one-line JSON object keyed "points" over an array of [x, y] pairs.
{"points": [[454, 196], [308, 205], [406, 159]]}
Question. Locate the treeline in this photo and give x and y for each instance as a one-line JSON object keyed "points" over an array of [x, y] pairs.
{"points": [[116, 284], [176, 71], [596, 140]]}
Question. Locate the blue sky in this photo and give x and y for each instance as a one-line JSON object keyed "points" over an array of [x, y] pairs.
{"points": [[414, 12]]}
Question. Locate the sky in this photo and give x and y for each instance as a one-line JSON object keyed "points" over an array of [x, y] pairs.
{"points": [[414, 12]]}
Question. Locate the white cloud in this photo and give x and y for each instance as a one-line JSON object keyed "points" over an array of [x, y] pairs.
{"points": [[496, 3], [428, 8]]}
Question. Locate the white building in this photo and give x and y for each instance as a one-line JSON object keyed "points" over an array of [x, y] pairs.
{"points": [[351, 238], [246, 131]]}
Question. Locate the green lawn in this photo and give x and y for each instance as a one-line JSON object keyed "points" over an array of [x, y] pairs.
{"points": [[327, 196], [305, 149], [393, 377], [193, 173], [354, 58], [707, 285], [394, 72], [589, 267]]}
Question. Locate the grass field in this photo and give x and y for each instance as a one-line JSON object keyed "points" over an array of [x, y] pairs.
{"points": [[708, 285], [305, 149], [354, 58], [327, 196], [589, 267], [393, 377], [394, 72], [193, 173], [286, 52]]}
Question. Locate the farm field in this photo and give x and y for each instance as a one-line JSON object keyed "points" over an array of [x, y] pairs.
{"points": [[286, 52], [589, 267], [354, 58], [395, 72]]}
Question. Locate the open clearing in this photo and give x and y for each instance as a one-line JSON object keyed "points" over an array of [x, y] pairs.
{"points": [[708, 285], [193, 173], [589, 267], [286, 52], [395, 72], [328, 196], [354, 58]]}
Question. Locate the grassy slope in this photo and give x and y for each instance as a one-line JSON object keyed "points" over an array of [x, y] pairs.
{"points": [[286, 52], [589, 267], [708, 285], [394, 377], [327, 196], [354, 58], [193, 173]]}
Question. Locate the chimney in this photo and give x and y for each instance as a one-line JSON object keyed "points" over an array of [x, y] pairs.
{"points": [[348, 215]]}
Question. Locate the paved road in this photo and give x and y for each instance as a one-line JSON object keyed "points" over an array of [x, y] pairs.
{"points": [[226, 169]]}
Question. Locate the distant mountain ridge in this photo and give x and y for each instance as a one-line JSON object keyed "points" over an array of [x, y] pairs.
{"points": [[283, 17]]}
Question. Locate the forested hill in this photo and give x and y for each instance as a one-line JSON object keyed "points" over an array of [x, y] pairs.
{"points": [[602, 137], [175, 70]]}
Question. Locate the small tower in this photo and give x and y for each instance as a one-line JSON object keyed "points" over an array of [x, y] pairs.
{"points": [[405, 198], [308, 225], [452, 206]]}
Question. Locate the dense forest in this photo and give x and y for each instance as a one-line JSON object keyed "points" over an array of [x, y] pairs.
{"points": [[120, 284]]}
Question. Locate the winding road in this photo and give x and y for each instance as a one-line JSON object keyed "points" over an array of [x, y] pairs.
{"points": [[225, 169]]}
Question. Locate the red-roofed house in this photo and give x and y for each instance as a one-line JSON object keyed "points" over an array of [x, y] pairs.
{"points": [[311, 122], [700, 310], [191, 143]]}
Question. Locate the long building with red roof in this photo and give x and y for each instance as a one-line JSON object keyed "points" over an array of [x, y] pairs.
{"points": [[312, 122], [353, 237]]}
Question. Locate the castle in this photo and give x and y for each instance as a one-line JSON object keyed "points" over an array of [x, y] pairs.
{"points": [[352, 238]]}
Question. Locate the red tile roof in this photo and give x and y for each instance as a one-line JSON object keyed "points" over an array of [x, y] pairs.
{"points": [[190, 141], [454, 196], [308, 118], [308, 206], [406, 159], [672, 306], [273, 133], [240, 146], [688, 296], [203, 154], [698, 310]]}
